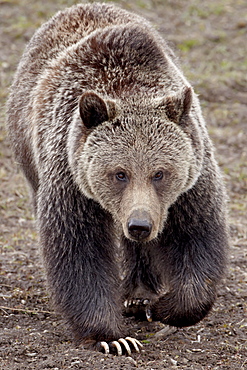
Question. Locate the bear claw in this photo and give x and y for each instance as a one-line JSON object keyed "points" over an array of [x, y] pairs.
{"points": [[136, 302], [121, 345], [105, 347], [126, 345], [135, 343], [148, 314]]}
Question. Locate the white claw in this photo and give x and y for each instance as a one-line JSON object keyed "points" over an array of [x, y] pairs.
{"points": [[136, 302], [135, 343], [149, 315], [106, 348], [126, 345], [118, 347]]}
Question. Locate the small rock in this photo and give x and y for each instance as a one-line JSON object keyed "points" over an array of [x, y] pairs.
{"points": [[174, 362]]}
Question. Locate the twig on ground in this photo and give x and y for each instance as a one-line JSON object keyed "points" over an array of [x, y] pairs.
{"points": [[25, 310]]}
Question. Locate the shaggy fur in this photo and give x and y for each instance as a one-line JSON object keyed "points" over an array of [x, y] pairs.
{"points": [[111, 138]]}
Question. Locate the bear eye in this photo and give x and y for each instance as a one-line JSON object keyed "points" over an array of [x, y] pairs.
{"points": [[121, 176], [158, 176]]}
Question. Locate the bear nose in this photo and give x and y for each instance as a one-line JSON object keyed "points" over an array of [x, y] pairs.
{"points": [[139, 229]]}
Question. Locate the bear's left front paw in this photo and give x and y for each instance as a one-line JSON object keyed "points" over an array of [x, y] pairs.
{"points": [[121, 346]]}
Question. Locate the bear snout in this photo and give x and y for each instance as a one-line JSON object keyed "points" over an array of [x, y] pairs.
{"points": [[139, 225]]}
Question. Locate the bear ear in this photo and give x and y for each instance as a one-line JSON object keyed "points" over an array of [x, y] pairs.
{"points": [[178, 107], [93, 109]]}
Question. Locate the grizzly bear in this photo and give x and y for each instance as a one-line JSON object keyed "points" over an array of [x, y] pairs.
{"points": [[111, 139]]}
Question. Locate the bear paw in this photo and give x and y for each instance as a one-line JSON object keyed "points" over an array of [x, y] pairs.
{"points": [[137, 304], [121, 346]]}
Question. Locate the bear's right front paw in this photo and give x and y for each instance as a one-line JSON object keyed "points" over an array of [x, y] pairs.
{"points": [[137, 306], [121, 346]]}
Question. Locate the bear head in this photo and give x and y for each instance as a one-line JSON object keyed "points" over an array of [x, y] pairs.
{"points": [[135, 157]]}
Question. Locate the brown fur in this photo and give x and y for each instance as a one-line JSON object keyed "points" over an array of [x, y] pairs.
{"points": [[111, 138]]}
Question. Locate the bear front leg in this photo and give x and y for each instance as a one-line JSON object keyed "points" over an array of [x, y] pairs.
{"points": [[192, 249], [143, 281], [78, 247]]}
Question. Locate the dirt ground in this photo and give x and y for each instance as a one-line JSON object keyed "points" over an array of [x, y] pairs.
{"points": [[210, 38]]}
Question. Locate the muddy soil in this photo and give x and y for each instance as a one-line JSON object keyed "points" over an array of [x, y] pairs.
{"points": [[210, 39]]}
